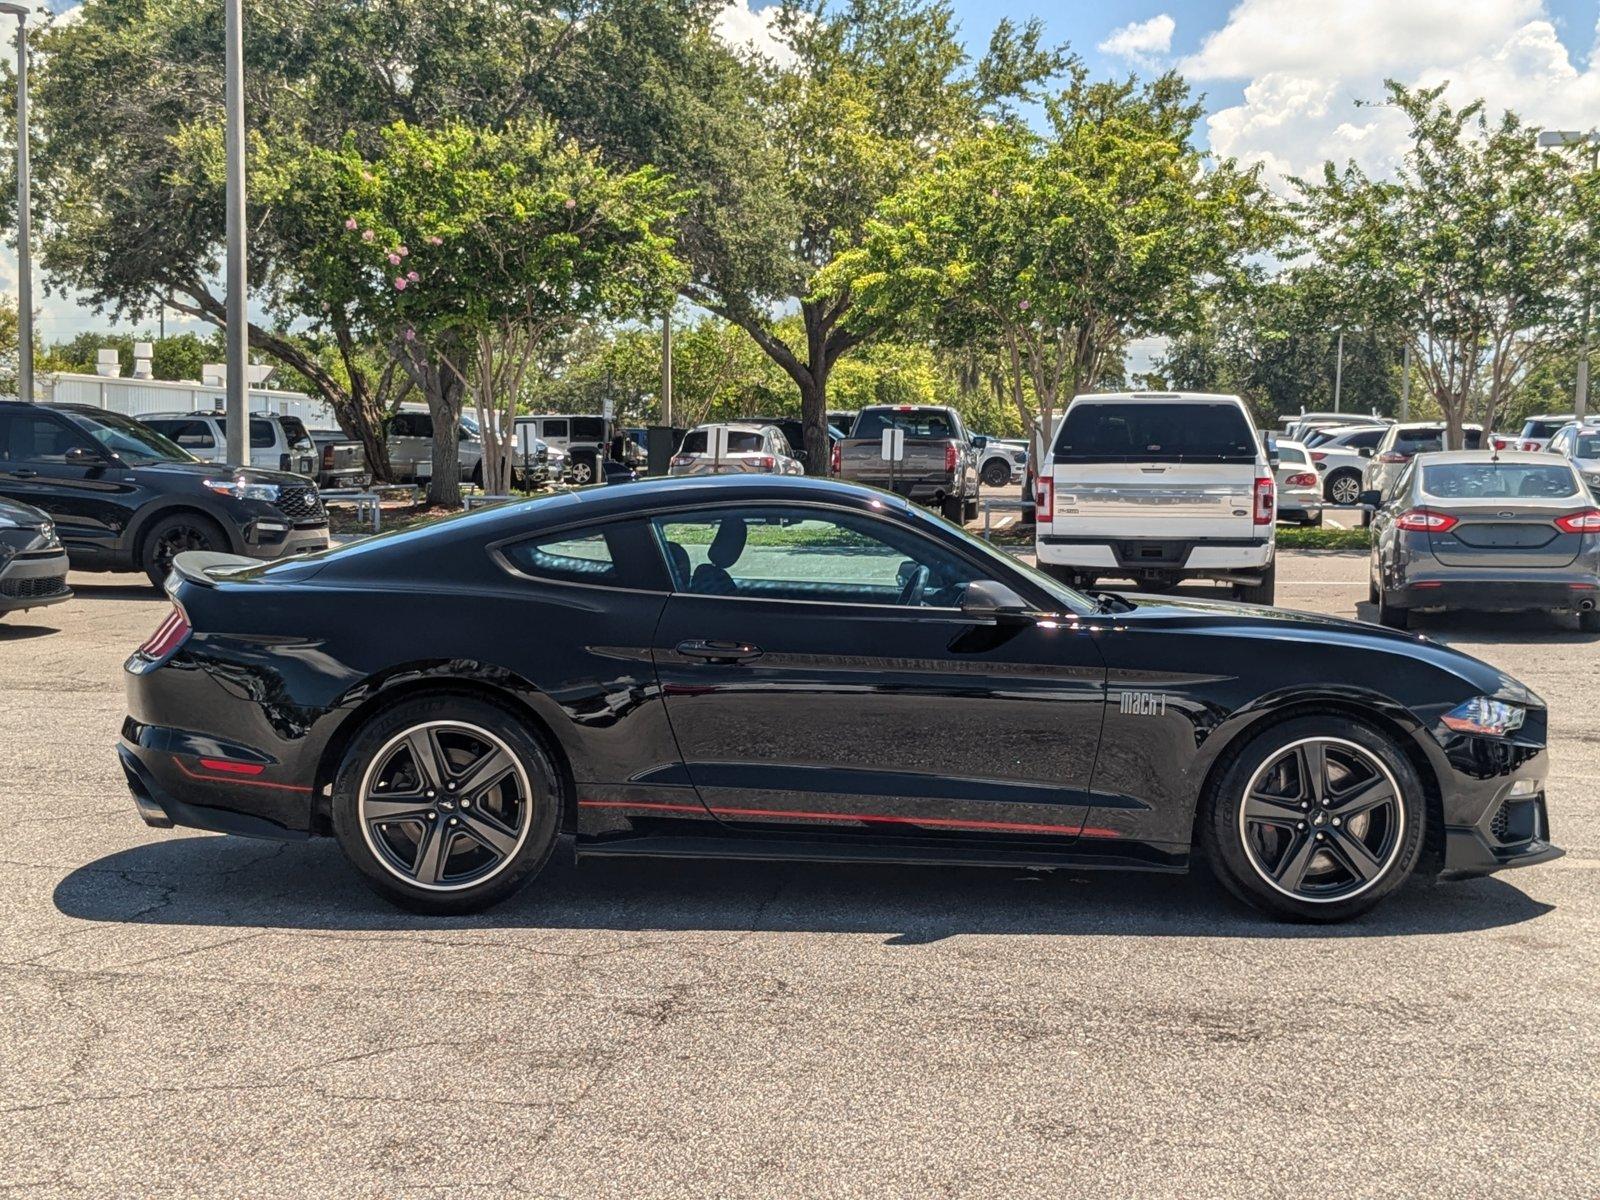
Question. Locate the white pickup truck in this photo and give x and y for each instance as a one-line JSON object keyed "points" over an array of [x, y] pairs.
{"points": [[1158, 487]]}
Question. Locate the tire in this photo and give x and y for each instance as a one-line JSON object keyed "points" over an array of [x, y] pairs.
{"points": [[494, 850], [1314, 522], [969, 510], [1343, 487], [1265, 592], [1589, 622], [951, 508], [996, 473], [1282, 852], [1372, 589], [582, 470], [476, 478], [1392, 616], [171, 536]]}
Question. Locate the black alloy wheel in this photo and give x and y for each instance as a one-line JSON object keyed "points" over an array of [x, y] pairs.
{"points": [[446, 804], [1318, 819], [996, 473], [172, 536]]}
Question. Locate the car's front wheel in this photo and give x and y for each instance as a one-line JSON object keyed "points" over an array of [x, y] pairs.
{"points": [[446, 804], [172, 535], [1316, 819], [1343, 487], [996, 473]]}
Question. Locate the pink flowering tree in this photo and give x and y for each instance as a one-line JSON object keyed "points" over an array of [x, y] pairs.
{"points": [[466, 250]]}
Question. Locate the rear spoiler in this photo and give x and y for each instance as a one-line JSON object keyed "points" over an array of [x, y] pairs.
{"points": [[208, 567]]}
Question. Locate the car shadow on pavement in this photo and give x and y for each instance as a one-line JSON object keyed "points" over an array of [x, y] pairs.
{"points": [[218, 881], [1498, 628], [14, 632], [117, 591]]}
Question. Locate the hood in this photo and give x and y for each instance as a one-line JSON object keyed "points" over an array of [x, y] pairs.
{"points": [[203, 470], [23, 516], [1228, 618]]}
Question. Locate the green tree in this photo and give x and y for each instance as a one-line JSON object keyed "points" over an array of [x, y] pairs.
{"points": [[1053, 249], [876, 88], [1474, 251]]}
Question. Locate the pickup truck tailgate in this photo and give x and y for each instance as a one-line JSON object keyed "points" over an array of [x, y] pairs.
{"points": [[1176, 500]]}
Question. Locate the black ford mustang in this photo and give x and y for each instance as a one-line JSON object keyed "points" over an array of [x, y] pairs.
{"points": [[791, 668]]}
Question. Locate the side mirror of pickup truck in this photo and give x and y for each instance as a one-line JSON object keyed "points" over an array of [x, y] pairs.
{"points": [[1271, 442], [989, 600], [979, 441]]}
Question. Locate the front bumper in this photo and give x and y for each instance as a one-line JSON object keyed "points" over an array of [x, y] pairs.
{"points": [[274, 538], [33, 580], [1514, 832]]}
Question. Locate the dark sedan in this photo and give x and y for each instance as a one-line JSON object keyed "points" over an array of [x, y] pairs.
{"points": [[789, 668], [1486, 531], [33, 566]]}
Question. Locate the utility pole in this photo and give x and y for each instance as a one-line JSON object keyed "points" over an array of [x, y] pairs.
{"points": [[238, 381], [1338, 373], [666, 368], [24, 215], [1405, 385]]}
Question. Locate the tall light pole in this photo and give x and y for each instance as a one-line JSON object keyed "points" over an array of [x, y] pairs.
{"points": [[1564, 138], [238, 381], [1338, 373], [24, 215]]}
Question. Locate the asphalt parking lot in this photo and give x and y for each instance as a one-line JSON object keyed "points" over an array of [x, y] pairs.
{"points": [[190, 1014]]}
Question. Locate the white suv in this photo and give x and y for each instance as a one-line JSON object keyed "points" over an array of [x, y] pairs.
{"points": [[1159, 487], [276, 443]]}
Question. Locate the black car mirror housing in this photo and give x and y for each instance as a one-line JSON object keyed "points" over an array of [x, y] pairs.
{"points": [[83, 455], [990, 600], [1370, 499]]}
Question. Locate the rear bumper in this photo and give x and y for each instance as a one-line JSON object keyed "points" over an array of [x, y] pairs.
{"points": [[161, 810], [1568, 593], [33, 581], [1217, 558], [1299, 508]]}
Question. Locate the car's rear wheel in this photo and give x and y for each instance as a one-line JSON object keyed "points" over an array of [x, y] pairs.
{"points": [[1316, 819], [996, 473], [582, 471], [951, 507], [1392, 615], [1343, 487], [170, 536], [446, 804]]}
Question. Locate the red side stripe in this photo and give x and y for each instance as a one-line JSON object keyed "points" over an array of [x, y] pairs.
{"points": [[870, 818]]}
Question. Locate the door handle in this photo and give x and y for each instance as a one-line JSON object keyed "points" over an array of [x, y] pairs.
{"points": [[719, 652]]}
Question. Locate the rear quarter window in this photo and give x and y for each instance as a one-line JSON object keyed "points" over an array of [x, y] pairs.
{"points": [[1155, 432], [619, 554]]}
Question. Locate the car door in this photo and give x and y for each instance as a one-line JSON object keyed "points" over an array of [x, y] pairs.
{"points": [[87, 496], [819, 673]]}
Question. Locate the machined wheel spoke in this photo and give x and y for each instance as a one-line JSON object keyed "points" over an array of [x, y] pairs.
{"points": [[431, 853], [485, 773], [427, 756], [380, 809], [488, 832], [1353, 853], [1292, 867], [1273, 810], [1362, 798]]}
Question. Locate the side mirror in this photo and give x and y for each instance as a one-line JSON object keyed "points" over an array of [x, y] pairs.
{"points": [[1372, 499], [979, 441], [83, 456], [1271, 443], [989, 600], [1365, 452]]}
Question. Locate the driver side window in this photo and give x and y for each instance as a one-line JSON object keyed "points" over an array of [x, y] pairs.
{"points": [[782, 553]]}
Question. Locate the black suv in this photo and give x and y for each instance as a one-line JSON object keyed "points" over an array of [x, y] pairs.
{"points": [[124, 498]]}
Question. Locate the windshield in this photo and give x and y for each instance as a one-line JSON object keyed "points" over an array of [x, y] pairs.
{"points": [[740, 441], [1150, 431], [917, 422], [1498, 480], [1426, 440], [131, 441], [1586, 445], [1536, 428]]}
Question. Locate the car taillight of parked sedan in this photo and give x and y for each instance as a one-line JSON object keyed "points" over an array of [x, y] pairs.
{"points": [[1425, 520], [1586, 521], [1393, 456], [1303, 479]]}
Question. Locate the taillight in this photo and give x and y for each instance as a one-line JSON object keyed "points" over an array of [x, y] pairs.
{"points": [[766, 462], [1425, 520], [1303, 479], [950, 456], [1266, 500], [683, 460], [1318, 455], [1499, 443], [1393, 456], [1044, 500], [1530, 446], [169, 635], [836, 461], [1586, 521]]}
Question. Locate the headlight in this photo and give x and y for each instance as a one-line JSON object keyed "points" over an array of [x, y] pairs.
{"points": [[240, 490], [1592, 478], [48, 532], [1485, 715]]}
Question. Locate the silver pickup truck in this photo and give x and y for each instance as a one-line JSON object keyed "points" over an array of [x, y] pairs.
{"points": [[940, 467]]}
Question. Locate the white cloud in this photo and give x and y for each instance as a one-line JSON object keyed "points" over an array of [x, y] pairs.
{"points": [[755, 30], [1141, 40], [1308, 63]]}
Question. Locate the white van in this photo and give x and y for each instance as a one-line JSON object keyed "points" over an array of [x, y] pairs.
{"points": [[1158, 487]]}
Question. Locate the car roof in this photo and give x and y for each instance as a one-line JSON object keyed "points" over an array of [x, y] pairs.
{"points": [[1182, 397], [751, 426]]}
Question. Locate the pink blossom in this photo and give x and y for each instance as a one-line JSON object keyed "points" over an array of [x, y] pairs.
{"points": [[394, 260], [349, 222], [403, 252], [435, 241], [411, 335], [326, 306], [367, 175], [367, 235], [399, 283], [571, 203], [413, 276], [1024, 305]]}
